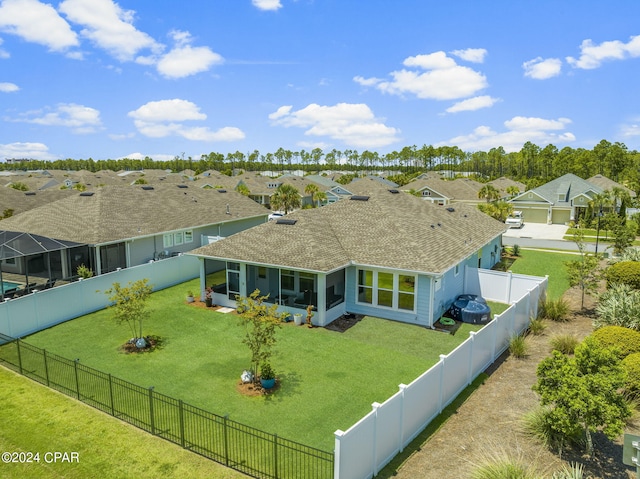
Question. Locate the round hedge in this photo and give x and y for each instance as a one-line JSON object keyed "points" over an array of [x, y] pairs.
{"points": [[631, 364], [626, 340], [625, 272]]}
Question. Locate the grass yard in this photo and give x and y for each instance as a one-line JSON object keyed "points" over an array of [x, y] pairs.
{"points": [[328, 379], [541, 263], [36, 419]]}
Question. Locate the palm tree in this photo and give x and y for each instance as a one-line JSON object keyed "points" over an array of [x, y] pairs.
{"points": [[286, 198], [512, 190], [489, 192], [243, 189], [316, 195]]}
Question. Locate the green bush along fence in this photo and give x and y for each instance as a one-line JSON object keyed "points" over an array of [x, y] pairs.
{"points": [[244, 448]]}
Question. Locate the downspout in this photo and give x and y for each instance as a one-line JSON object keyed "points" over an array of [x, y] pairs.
{"points": [[433, 302]]}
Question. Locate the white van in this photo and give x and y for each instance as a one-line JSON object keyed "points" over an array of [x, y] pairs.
{"points": [[515, 220]]}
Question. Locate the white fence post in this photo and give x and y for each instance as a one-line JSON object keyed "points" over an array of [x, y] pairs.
{"points": [[472, 337], [374, 456], [403, 389], [336, 453], [440, 395]]}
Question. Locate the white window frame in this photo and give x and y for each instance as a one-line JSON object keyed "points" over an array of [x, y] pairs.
{"points": [[188, 236], [167, 240], [178, 238], [395, 290]]}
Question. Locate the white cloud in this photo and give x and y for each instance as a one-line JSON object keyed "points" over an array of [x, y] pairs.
{"points": [[6, 87], [185, 60], [542, 68], [109, 27], [630, 130], [267, 4], [472, 104], [38, 23], [475, 55], [519, 130], [38, 151], [443, 80], [353, 124], [158, 119], [81, 119], [3, 53], [592, 55]]}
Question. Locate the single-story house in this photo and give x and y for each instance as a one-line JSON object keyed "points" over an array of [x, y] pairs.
{"points": [[557, 202], [131, 225], [386, 254]]}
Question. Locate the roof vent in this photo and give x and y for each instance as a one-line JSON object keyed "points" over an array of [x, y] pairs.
{"points": [[86, 193], [433, 227], [30, 193], [394, 192], [182, 186], [147, 188], [359, 198], [222, 191], [450, 209], [286, 221]]}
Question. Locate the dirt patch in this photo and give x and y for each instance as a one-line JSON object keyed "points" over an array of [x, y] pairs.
{"points": [[253, 390], [152, 343], [489, 422]]}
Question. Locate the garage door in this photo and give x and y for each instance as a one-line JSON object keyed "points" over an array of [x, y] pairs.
{"points": [[534, 215], [560, 217]]}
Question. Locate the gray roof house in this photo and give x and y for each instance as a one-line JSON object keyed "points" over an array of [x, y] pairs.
{"points": [[126, 226], [386, 253], [557, 202]]}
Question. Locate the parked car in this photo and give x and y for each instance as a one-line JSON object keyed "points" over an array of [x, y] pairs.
{"points": [[470, 308], [515, 220], [275, 215]]}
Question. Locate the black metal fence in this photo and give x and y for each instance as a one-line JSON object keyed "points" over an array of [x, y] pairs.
{"points": [[244, 448]]}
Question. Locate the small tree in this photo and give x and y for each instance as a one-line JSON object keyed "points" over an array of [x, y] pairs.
{"points": [[583, 392], [129, 304], [260, 322], [586, 271]]}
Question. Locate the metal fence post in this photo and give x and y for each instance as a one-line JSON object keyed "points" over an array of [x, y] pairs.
{"points": [[19, 357], [153, 425], [113, 409], [226, 441], [180, 405], [75, 369], [275, 456], [46, 366]]}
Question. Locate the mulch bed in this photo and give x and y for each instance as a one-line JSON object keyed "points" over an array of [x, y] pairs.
{"points": [[153, 343], [344, 322], [254, 390]]}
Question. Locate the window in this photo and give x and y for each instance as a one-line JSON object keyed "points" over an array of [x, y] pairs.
{"points": [[178, 239], [389, 290], [287, 280], [262, 272], [188, 236], [307, 281], [426, 193], [365, 286], [167, 240], [456, 270]]}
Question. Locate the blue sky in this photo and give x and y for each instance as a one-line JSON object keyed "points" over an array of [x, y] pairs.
{"points": [[100, 79]]}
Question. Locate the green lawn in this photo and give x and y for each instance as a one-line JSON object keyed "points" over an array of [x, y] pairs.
{"points": [[36, 419], [328, 379], [541, 263]]}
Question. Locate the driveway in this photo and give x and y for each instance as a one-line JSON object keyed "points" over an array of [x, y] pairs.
{"points": [[538, 231]]}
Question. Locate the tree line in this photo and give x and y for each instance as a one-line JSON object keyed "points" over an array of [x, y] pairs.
{"points": [[532, 165]]}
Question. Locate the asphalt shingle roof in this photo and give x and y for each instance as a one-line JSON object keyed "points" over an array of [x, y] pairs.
{"points": [[115, 213], [389, 230]]}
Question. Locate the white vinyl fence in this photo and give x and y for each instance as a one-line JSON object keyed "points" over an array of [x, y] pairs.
{"points": [[367, 446], [46, 308]]}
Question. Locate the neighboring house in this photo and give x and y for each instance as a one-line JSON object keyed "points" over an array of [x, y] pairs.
{"points": [[503, 183], [608, 184], [444, 192], [261, 188], [387, 254], [557, 202], [128, 226]]}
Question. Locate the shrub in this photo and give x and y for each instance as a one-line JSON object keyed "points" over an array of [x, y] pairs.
{"points": [[537, 326], [574, 471], [626, 341], [631, 364], [565, 343], [624, 272], [538, 424], [502, 465], [630, 254], [556, 310], [515, 250], [518, 346], [619, 306]]}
